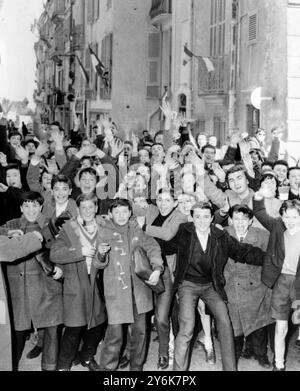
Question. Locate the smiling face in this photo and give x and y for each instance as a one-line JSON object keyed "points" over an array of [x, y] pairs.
{"points": [[202, 219], [120, 215], [185, 203], [209, 155], [61, 192], [15, 141], [158, 153], [31, 210], [13, 178], [294, 178], [144, 156], [46, 180], [87, 183], [291, 219], [281, 171], [87, 210], [165, 203], [241, 223]]}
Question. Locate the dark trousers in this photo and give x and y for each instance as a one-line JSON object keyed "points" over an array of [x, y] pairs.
{"points": [[162, 305], [49, 352], [189, 294], [113, 341], [257, 342], [70, 342]]}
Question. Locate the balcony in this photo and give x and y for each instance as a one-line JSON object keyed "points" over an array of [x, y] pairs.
{"points": [[161, 13], [217, 81], [77, 38]]}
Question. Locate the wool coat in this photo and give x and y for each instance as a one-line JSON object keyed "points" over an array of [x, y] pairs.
{"points": [[276, 250], [249, 299], [83, 302], [10, 250], [120, 280], [36, 298], [223, 246]]}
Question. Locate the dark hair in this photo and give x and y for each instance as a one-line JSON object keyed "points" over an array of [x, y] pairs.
{"points": [[267, 163], [242, 208], [158, 134], [14, 133], [281, 163], [87, 197], [289, 204], [208, 146], [56, 123], [166, 190], [292, 169], [31, 196], [234, 169], [203, 205], [268, 175], [61, 178], [12, 166], [31, 140], [158, 144], [90, 158], [89, 170], [120, 202]]}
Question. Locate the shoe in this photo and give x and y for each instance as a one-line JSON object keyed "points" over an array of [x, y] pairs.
{"points": [[210, 356], [263, 361], [35, 352], [91, 365], [163, 362], [77, 360], [278, 369], [64, 370], [247, 353], [124, 362]]}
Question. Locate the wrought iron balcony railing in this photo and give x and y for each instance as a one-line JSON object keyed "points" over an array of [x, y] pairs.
{"points": [[216, 81]]}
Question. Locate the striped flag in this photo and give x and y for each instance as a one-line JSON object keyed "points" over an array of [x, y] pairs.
{"points": [[84, 73], [206, 60], [100, 69]]}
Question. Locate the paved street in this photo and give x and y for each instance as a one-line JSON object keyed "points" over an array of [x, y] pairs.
{"points": [[197, 363]]}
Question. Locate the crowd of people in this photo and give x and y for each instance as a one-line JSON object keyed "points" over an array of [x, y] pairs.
{"points": [[105, 239]]}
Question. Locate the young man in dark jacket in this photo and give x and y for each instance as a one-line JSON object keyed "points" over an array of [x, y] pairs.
{"points": [[202, 252]]}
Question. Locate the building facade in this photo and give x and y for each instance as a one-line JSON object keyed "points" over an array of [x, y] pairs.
{"points": [[226, 64]]}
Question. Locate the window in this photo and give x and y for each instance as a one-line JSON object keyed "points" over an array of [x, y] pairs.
{"points": [[217, 27], [253, 27], [92, 10], [107, 60], [153, 80], [219, 129]]}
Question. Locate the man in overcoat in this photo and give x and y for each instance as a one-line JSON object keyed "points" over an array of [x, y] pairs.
{"points": [[11, 250], [35, 296]]}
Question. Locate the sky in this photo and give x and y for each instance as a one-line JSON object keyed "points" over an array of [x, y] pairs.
{"points": [[17, 57]]}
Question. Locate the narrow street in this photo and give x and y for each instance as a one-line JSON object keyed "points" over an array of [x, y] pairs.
{"points": [[197, 363]]}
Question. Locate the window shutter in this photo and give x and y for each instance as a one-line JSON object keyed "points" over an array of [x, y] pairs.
{"points": [[96, 10], [153, 66], [253, 27], [90, 11]]}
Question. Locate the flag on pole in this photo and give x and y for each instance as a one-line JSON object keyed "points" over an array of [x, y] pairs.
{"points": [[99, 68], [207, 61], [83, 71]]}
